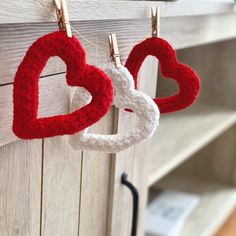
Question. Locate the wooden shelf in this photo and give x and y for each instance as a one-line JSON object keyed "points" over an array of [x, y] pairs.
{"points": [[107, 10], [216, 204], [193, 129]]}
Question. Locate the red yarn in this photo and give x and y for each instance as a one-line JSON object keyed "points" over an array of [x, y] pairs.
{"points": [[187, 79], [26, 125]]}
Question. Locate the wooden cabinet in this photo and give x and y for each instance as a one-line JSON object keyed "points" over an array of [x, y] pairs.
{"points": [[48, 189]]}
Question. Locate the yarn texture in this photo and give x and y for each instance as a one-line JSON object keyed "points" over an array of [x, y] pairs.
{"points": [[26, 124], [187, 79], [125, 96]]}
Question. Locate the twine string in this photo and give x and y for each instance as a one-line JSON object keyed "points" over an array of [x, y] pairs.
{"points": [[76, 32], [73, 28]]}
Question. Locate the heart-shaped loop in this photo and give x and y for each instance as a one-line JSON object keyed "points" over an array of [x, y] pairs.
{"points": [[26, 124], [125, 96], [187, 79]]}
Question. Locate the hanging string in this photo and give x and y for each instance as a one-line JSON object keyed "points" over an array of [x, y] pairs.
{"points": [[83, 37], [76, 31]]}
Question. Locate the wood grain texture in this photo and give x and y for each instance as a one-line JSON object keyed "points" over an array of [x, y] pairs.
{"points": [[54, 98], [148, 84], [11, 12], [133, 162], [61, 165], [95, 190], [61, 174], [14, 45], [215, 162], [181, 32], [20, 188], [78, 196], [222, 51], [186, 132], [213, 113], [204, 60], [121, 198], [60, 188], [215, 82], [95, 180]]}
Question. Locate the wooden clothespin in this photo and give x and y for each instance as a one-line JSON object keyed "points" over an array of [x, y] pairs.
{"points": [[114, 50], [155, 21], [63, 17]]}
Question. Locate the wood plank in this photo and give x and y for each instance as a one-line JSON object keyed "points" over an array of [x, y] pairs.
{"points": [[141, 160], [11, 12], [132, 162], [195, 128], [213, 113], [15, 44], [61, 165], [95, 190], [217, 202], [95, 182], [120, 215], [224, 52], [61, 188], [214, 162], [181, 32], [54, 99], [214, 82], [20, 188]]}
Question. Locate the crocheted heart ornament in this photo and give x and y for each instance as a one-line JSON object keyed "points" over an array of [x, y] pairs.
{"points": [[26, 124], [187, 79], [125, 96]]}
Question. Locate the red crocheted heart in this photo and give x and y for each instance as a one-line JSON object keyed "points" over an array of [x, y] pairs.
{"points": [[26, 124], [187, 79]]}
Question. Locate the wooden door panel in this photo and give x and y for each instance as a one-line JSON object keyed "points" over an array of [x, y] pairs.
{"points": [[20, 188], [60, 188], [132, 161]]}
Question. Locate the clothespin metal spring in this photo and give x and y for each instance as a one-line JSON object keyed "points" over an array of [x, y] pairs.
{"points": [[155, 21]]}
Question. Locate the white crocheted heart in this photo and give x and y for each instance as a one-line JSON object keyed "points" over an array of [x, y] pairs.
{"points": [[126, 96]]}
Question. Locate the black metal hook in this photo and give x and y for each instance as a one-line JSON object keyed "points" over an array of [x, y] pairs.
{"points": [[124, 180]]}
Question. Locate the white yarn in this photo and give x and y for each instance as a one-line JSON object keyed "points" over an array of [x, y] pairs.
{"points": [[126, 96]]}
